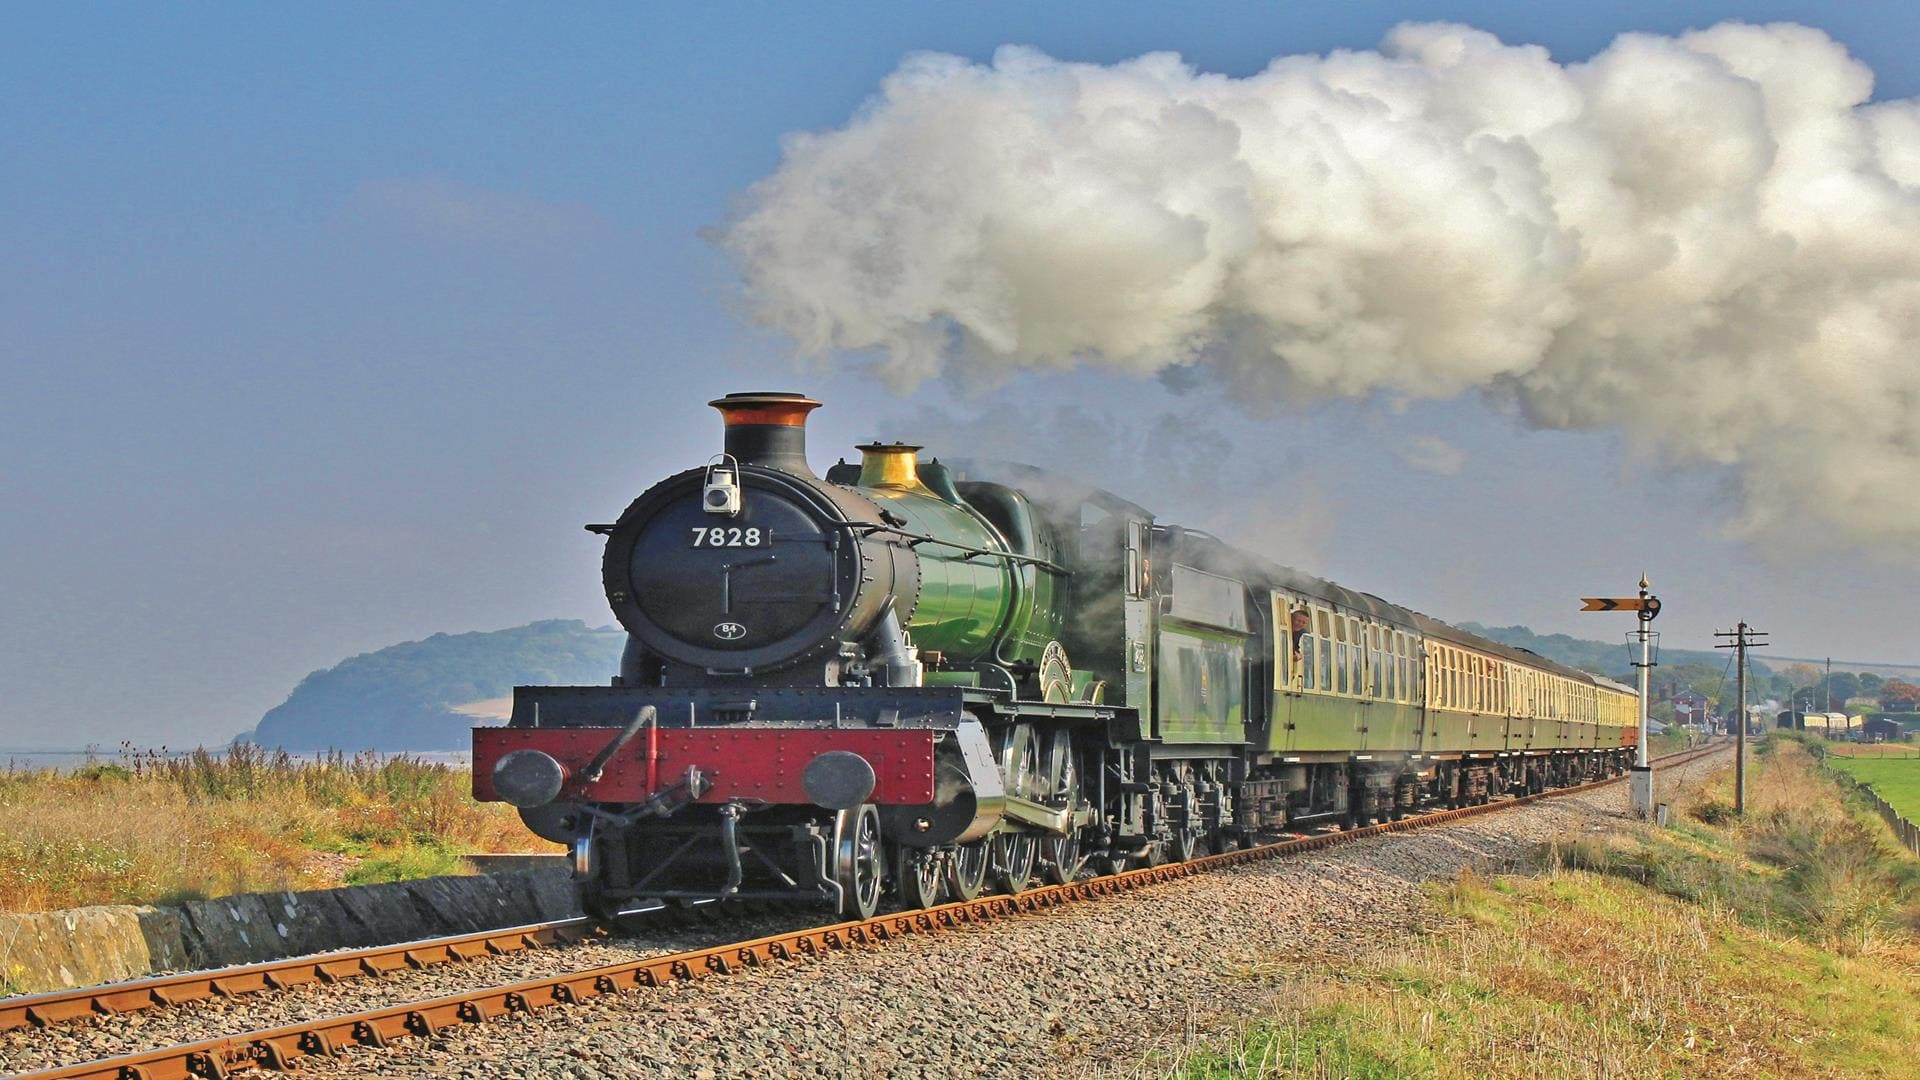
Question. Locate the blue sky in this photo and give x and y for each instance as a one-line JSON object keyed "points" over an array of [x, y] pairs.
{"points": [[325, 329]]}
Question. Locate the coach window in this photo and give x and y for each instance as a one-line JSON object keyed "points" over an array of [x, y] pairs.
{"points": [[1362, 677], [1398, 659], [1408, 683], [1396, 681], [1409, 672], [1376, 671], [1350, 653], [1296, 627], [1357, 672], [1323, 645], [1338, 682], [1341, 656]]}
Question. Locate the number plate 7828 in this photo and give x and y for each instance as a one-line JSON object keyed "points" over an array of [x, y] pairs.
{"points": [[730, 536]]}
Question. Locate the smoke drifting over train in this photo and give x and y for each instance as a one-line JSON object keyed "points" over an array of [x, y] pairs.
{"points": [[1711, 242]]}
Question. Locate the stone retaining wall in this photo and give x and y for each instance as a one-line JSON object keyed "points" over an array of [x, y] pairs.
{"points": [[80, 947]]}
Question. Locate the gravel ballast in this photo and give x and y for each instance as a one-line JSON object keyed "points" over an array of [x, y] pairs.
{"points": [[1110, 987]]}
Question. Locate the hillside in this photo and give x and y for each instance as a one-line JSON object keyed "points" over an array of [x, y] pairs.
{"points": [[425, 695], [1610, 657]]}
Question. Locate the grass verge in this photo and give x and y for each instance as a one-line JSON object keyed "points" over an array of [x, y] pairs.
{"points": [[145, 829], [1782, 945], [1897, 780]]}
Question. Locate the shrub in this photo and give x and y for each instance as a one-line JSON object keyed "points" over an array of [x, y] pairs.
{"points": [[1713, 812]]}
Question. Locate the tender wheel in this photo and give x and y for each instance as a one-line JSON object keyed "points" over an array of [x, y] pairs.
{"points": [[917, 874], [967, 870], [858, 861], [1184, 841], [1184, 845], [1013, 858]]}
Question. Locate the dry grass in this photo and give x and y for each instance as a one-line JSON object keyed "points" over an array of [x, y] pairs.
{"points": [[144, 829], [1580, 974], [1778, 946]]}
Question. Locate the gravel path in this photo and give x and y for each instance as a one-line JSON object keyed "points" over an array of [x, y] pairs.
{"points": [[1108, 988]]}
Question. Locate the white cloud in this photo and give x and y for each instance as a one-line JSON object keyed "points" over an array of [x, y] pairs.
{"points": [[1710, 242]]}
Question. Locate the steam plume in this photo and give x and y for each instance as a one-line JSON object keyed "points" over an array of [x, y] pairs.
{"points": [[1710, 241]]}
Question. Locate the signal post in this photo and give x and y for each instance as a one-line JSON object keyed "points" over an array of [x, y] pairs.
{"points": [[1647, 606]]}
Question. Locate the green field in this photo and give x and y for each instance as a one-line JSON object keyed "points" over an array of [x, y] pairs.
{"points": [[1896, 780]]}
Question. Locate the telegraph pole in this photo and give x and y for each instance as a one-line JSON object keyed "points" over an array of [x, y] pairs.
{"points": [[1744, 637]]}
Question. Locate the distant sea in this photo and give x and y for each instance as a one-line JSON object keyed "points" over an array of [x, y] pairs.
{"points": [[67, 760]]}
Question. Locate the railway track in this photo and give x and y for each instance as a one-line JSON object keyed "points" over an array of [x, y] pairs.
{"points": [[281, 1047]]}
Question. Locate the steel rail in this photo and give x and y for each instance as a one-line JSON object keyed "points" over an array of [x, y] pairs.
{"points": [[282, 1047], [59, 1006]]}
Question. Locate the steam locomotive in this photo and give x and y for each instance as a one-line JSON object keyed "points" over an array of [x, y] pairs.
{"points": [[921, 681]]}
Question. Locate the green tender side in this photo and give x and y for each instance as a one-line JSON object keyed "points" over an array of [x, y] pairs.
{"points": [[966, 603], [1201, 690]]}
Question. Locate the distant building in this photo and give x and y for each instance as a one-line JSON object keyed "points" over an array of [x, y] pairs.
{"points": [[1690, 707], [1881, 729]]}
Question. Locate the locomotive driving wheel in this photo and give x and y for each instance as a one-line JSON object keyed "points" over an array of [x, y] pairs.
{"points": [[1060, 856], [1014, 852], [967, 870], [1014, 855], [917, 874], [858, 864]]}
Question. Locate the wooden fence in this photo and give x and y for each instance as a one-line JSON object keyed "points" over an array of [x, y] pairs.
{"points": [[1905, 831]]}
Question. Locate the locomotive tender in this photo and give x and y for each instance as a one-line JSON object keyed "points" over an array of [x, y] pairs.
{"points": [[927, 681]]}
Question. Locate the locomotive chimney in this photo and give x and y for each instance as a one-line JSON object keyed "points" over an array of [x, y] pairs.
{"points": [[767, 429]]}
